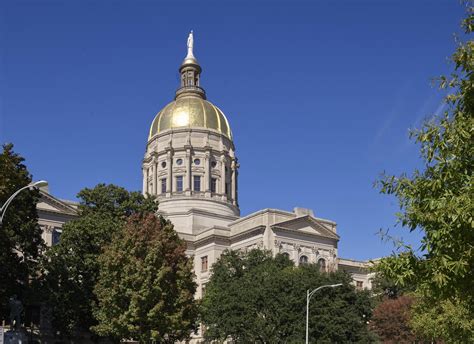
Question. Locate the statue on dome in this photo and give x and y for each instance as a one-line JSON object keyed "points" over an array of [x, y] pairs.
{"points": [[190, 44]]}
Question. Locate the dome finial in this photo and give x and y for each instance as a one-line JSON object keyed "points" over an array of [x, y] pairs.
{"points": [[190, 46], [190, 73]]}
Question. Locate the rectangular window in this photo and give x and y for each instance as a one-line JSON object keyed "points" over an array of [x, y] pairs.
{"points": [[204, 263], [359, 284], [213, 185], [179, 183], [56, 236], [197, 183], [163, 185]]}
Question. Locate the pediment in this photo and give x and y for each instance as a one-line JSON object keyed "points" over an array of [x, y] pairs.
{"points": [[49, 203], [306, 224]]}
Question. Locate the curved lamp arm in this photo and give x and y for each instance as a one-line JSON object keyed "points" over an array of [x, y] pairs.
{"points": [[37, 184], [308, 297], [321, 287]]}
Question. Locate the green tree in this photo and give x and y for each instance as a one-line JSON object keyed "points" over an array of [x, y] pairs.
{"points": [[438, 200], [257, 298], [20, 235], [145, 289], [71, 268], [449, 319]]}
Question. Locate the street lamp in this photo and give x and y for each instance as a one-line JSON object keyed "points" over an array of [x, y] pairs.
{"points": [[308, 297], [37, 184]]}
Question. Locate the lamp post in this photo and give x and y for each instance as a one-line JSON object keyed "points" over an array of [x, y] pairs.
{"points": [[4, 207], [308, 297]]}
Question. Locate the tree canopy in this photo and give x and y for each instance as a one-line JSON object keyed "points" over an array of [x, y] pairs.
{"points": [[20, 234], [145, 288], [391, 320], [257, 298], [71, 267], [439, 199]]}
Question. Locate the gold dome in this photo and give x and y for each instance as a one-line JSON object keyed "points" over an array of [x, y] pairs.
{"points": [[190, 112]]}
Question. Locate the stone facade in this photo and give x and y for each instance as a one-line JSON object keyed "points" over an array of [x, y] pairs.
{"points": [[52, 214], [190, 164]]}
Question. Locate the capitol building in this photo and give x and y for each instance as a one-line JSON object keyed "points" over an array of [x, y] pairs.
{"points": [[191, 166]]}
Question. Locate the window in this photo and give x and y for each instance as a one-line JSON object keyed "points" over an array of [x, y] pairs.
{"points": [[56, 236], [204, 263], [213, 163], [163, 185], [197, 183], [163, 164], [303, 260], [322, 265], [179, 162], [359, 284], [214, 185], [286, 255], [197, 162], [179, 183]]}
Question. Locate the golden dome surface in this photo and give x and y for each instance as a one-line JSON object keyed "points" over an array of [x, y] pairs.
{"points": [[190, 112]]}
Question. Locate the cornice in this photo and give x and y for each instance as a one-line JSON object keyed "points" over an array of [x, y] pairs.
{"points": [[259, 230], [200, 211], [46, 197], [277, 228], [188, 130], [261, 212]]}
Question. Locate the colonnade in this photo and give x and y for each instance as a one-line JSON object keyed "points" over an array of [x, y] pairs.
{"points": [[226, 183]]}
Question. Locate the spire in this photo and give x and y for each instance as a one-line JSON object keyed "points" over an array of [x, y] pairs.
{"points": [[190, 71]]}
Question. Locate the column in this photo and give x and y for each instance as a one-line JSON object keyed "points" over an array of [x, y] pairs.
{"points": [[144, 180], [207, 174], [187, 179], [155, 177], [234, 181], [169, 177], [147, 177], [222, 190]]}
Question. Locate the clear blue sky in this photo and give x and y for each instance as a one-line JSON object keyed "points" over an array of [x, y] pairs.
{"points": [[319, 94]]}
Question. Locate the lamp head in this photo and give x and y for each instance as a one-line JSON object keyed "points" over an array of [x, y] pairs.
{"points": [[38, 184]]}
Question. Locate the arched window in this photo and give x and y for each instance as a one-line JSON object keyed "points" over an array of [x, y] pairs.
{"points": [[286, 254], [303, 260], [322, 265]]}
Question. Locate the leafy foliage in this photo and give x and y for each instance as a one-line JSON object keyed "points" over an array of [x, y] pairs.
{"points": [[71, 268], [385, 287], [257, 298], [145, 289], [391, 320], [20, 235], [449, 319], [438, 200]]}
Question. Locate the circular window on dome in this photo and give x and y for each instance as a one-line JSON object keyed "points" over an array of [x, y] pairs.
{"points": [[197, 162], [213, 164], [163, 164], [179, 162]]}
